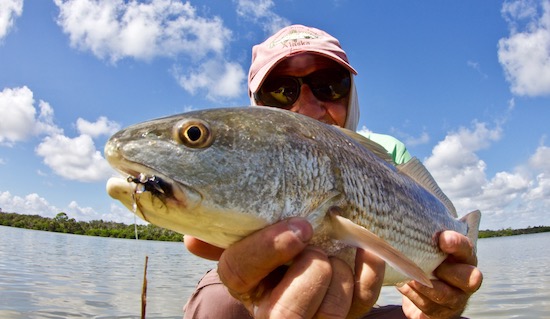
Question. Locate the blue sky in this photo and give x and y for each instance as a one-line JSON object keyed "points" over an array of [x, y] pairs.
{"points": [[465, 84]]}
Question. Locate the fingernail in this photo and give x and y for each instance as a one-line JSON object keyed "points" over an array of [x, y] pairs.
{"points": [[255, 310], [301, 227]]}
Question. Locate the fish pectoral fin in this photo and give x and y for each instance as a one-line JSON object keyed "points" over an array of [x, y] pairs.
{"points": [[317, 216], [358, 236]]}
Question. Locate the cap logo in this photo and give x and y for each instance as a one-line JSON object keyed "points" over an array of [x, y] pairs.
{"points": [[294, 38]]}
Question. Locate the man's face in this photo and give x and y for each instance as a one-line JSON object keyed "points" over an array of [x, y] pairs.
{"points": [[330, 112]]}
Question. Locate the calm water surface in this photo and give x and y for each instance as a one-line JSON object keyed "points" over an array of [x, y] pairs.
{"points": [[50, 275]]}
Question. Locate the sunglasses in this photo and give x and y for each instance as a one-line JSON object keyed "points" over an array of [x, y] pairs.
{"points": [[325, 84]]}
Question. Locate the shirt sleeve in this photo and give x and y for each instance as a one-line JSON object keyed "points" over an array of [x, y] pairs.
{"points": [[212, 300], [395, 147]]}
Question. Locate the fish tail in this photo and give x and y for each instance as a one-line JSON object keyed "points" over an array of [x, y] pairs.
{"points": [[472, 219]]}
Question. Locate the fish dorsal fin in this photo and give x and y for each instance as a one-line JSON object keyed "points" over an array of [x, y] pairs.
{"points": [[374, 147], [418, 172], [355, 235]]}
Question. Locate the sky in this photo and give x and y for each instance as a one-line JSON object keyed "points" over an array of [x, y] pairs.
{"points": [[464, 84]]}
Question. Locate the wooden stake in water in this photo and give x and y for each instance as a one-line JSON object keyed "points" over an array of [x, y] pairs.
{"points": [[144, 290]]}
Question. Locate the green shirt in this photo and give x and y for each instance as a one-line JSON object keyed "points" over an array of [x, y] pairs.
{"points": [[395, 147]]}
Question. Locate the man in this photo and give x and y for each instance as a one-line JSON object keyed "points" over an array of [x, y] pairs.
{"points": [[273, 272]]}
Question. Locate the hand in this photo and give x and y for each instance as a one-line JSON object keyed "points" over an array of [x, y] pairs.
{"points": [[458, 279], [311, 284]]}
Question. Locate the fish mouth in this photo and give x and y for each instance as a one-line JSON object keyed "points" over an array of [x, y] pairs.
{"points": [[169, 204], [151, 183], [150, 194], [143, 183]]}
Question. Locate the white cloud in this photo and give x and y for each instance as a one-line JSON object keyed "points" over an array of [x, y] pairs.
{"points": [[118, 29], [539, 160], [517, 198], [424, 138], [261, 12], [477, 67], [407, 139], [538, 164], [95, 129], [220, 79], [19, 119], [44, 124], [121, 214], [18, 110], [74, 158], [455, 164], [143, 30], [81, 213], [33, 204], [364, 130], [9, 11], [525, 54]]}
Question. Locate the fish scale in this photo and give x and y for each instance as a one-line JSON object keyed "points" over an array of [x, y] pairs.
{"points": [[250, 167], [391, 213]]}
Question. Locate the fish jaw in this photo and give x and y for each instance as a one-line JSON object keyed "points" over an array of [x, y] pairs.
{"points": [[185, 213]]}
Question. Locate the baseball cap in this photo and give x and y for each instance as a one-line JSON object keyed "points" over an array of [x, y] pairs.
{"points": [[292, 40]]}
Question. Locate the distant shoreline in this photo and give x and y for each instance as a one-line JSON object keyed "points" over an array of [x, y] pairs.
{"points": [[61, 223], [513, 232]]}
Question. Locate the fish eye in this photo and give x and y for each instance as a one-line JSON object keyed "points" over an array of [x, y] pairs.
{"points": [[193, 133]]}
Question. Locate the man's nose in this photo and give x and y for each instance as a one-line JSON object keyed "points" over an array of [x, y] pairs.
{"points": [[307, 104]]}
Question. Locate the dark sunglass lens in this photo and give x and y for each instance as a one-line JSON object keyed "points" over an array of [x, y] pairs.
{"points": [[280, 92], [330, 84]]}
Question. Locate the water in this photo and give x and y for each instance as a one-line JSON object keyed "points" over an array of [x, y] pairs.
{"points": [[49, 275]]}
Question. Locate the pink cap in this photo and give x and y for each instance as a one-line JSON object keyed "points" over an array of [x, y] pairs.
{"points": [[289, 41]]}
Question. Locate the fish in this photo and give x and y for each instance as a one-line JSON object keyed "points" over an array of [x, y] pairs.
{"points": [[221, 174]]}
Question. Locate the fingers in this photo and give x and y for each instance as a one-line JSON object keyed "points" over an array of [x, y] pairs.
{"points": [[465, 277], [202, 249], [458, 247], [436, 301], [458, 278], [442, 301], [369, 276], [310, 285], [459, 270], [338, 298], [243, 265], [301, 291]]}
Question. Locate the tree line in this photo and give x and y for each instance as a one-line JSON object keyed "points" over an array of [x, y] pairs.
{"points": [[513, 232], [61, 223]]}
